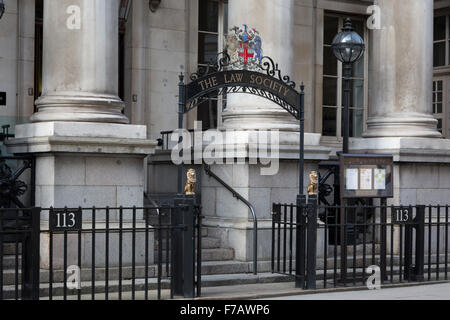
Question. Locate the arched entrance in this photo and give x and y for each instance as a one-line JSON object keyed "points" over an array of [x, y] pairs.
{"points": [[220, 78]]}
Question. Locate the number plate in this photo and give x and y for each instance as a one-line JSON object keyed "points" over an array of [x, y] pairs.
{"points": [[401, 215], [65, 220]]}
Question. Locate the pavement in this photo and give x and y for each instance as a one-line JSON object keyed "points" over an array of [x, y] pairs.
{"points": [[287, 291], [423, 292]]}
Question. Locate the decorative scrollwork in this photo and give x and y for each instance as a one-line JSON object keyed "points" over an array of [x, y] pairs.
{"points": [[272, 69], [10, 187], [222, 62]]}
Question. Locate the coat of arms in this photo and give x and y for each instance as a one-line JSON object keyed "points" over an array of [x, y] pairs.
{"points": [[244, 47]]}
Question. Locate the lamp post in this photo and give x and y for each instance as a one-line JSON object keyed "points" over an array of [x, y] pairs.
{"points": [[348, 47], [2, 8]]}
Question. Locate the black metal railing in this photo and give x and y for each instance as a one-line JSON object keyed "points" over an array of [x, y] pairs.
{"points": [[99, 253], [401, 243]]}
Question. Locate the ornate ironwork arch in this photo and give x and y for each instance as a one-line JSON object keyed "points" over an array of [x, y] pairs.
{"points": [[217, 79]]}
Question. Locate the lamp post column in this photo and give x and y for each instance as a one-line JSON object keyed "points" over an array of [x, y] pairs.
{"points": [[347, 75]]}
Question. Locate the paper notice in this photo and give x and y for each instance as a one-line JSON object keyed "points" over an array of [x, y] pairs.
{"points": [[351, 179], [365, 179], [380, 179]]}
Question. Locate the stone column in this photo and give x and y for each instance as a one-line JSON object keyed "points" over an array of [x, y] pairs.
{"points": [[274, 20], [80, 62], [401, 71]]}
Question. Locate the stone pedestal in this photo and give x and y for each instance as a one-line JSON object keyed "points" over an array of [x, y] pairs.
{"points": [[86, 165]]}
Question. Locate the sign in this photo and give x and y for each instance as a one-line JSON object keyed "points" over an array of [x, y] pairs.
{"points": [[65, 220], [401, 215], [2, 98], [366, 176], [244, 78]]}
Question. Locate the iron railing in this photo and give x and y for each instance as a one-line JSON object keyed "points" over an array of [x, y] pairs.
{"points": [[403, 243], [114, 253]]}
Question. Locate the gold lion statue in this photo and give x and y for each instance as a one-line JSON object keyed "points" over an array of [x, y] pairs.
{"points": [[189, 190], [313, 183]]}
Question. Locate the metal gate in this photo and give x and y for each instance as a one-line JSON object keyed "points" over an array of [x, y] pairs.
{"points": [[389, 244], [101, 253]]}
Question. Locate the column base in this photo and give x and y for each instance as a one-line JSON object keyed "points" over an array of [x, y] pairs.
{"points": [[402, 125], [80, 107], [260, 119]]}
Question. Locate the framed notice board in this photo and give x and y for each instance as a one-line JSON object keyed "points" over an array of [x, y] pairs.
{"points": [[366, 176]]}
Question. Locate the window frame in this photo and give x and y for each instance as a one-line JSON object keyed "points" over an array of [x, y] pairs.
{"points": [[339, 110], [441, 116], [220, 47], [445, 14]]}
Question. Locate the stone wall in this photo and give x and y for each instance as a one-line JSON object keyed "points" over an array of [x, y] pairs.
{"points": [[17, 61]]}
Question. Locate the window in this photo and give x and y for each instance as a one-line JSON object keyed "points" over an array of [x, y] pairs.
{"points": [[333, 92], [441, 41], [441, 63], [38, 49], [212, 28], [438, 106]]}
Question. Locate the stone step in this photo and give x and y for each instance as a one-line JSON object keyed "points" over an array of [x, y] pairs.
{"points": [[10, 248], [207, 281], [208, 268], [207, 243], [210, 252], [215, 254], [9, 262]]}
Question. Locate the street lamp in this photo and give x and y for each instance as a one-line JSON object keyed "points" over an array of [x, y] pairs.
{"points": [[2, 8], [348, 47]]}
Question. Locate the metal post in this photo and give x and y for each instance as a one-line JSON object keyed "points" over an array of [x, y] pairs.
{"points": [[302, 140], [346, 127], [177, 245], [188, 249], [31, 258], [343, 240], [420, 244], [301, 243], [312, 242], [383, 236], [408, 249], [181, 110]]}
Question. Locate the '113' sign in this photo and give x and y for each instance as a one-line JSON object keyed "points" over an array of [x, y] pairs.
{"points": [[401, 215], [65, 220]]}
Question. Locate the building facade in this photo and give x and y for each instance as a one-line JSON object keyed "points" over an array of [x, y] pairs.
{"points": [[92, 84]]}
